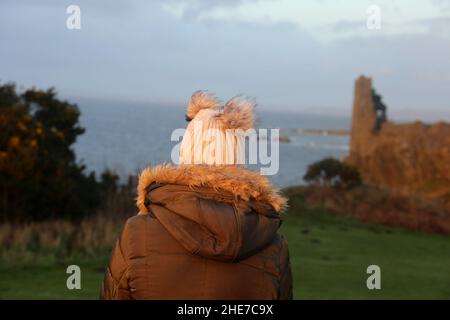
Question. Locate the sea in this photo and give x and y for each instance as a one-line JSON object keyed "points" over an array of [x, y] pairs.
{"points": [[126, 137]]}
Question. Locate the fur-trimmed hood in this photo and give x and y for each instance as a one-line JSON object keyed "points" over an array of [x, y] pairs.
{"points": [[243, 184], [225, 213]]}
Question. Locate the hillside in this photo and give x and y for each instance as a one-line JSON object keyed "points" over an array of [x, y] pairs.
{"points": [[329, 256]]}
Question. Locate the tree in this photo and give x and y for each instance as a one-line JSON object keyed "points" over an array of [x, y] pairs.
{"points": [[39, 175], [331, 172], [380, 110]]}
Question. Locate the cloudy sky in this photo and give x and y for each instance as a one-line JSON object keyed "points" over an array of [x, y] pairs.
{"points": [[288, 54]]}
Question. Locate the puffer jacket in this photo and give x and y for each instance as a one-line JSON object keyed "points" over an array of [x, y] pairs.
{"points": [[202, 232]]}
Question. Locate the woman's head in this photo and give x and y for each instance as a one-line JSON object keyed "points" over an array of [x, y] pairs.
{"points": [[215, 134]]}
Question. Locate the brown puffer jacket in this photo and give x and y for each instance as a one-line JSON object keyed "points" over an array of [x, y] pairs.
{"points": [[202, 233]]}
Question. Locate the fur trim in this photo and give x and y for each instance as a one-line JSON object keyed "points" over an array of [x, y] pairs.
{"points": [[200, 100], [242, 183], [238, 114]]}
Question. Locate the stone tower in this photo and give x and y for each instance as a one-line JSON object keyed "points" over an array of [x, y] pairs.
{"points": [[412, 157], [363, 119]]}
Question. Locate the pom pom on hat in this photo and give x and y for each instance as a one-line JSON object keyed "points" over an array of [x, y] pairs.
{"points": [[237, 113], [200, 100]]}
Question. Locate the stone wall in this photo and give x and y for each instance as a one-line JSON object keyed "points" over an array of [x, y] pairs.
{"points": [[414, 157]]}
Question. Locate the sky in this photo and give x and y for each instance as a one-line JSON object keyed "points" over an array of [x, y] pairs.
{"points": [[286, 54]]}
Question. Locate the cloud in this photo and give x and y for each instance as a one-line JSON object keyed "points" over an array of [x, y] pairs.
{"points": [[347, 25], [148, 53], [443, 4], [438, 25], [325, 20], [194, 9], [98, 7]]}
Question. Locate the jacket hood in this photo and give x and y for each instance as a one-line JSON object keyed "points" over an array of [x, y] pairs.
{"points": [[225, 213]]}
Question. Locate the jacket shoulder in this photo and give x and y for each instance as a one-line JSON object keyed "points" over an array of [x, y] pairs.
{"points": [[132, 236], [134, 228], [136, 221]]}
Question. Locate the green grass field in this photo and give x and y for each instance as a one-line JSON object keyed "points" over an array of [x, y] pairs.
{"points": [[329, 257]]}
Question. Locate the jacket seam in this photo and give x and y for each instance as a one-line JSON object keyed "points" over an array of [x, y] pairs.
{"points": [[280, 277], [147, 285], [238, 224]]}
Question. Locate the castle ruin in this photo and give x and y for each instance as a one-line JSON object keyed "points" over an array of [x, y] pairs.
{"points": [[413, 157]]}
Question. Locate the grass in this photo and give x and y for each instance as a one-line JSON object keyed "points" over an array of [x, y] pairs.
{"points": [[47, 280], [329, 257]]}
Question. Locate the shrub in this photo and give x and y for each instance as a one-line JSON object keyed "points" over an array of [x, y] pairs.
{"points": [[39, 175], [331, 172]]}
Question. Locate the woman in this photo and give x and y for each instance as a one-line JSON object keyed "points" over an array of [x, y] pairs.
{"points": [[206, 229]]}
